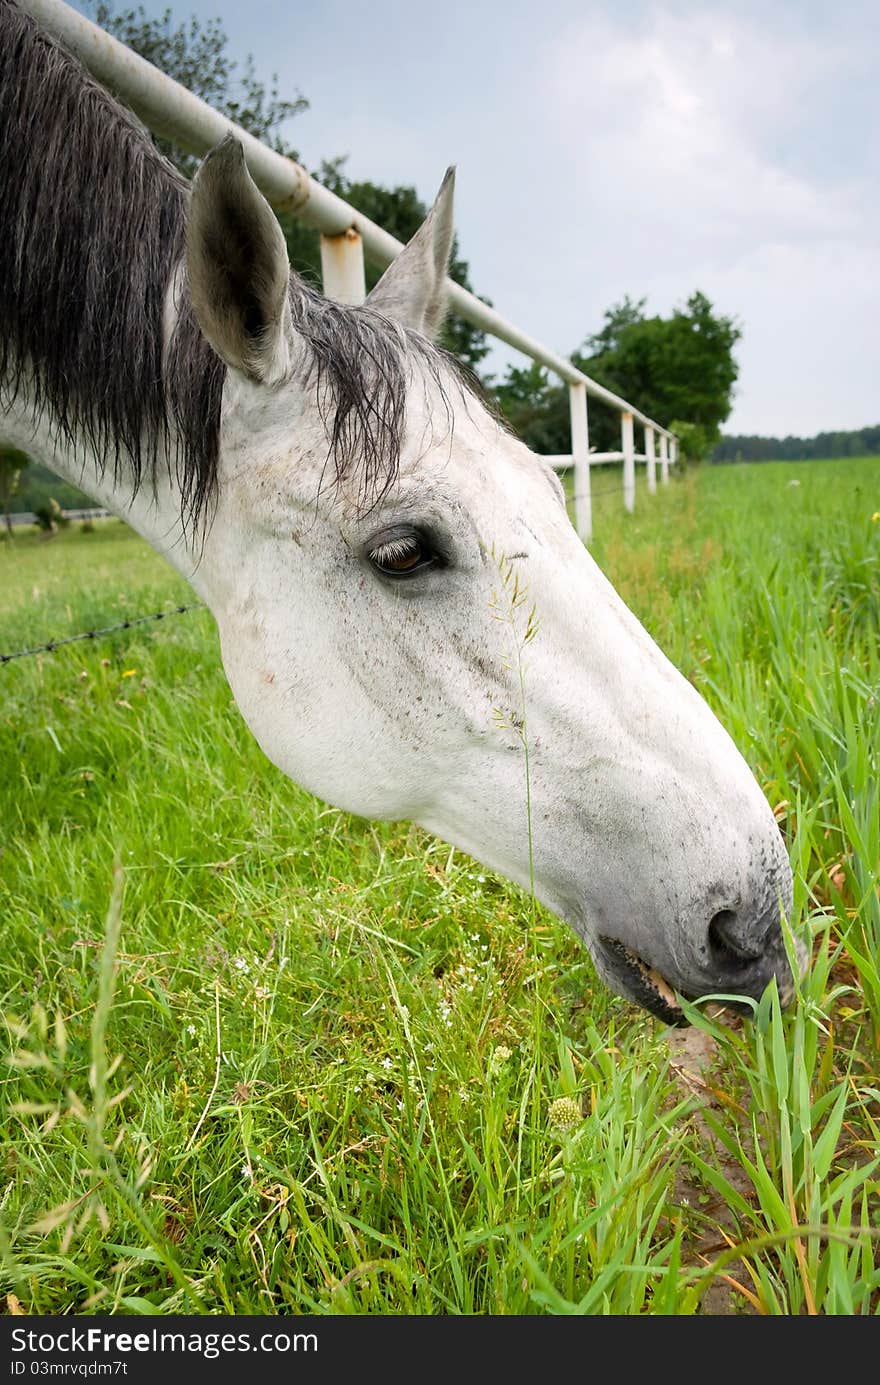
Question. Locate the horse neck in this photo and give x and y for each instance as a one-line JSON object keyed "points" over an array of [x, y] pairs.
{"points": [[153, 508]]}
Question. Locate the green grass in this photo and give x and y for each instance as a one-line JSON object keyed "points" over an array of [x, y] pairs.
{"points": [[265, 1057]]}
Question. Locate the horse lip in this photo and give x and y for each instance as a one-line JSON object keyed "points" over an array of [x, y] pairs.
{"points": [[647, 987], [642, 982]]}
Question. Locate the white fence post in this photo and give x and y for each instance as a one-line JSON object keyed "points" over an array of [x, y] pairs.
{"points": [[651, 460], [629, 461], [664, 459], [673, 450], [580, 455], [342, 267]]}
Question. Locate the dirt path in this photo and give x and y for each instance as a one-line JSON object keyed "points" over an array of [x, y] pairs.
{"points": [[692, 1056]]}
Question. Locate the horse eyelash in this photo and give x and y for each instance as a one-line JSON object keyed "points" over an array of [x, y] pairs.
{"points": [[393, 549]]}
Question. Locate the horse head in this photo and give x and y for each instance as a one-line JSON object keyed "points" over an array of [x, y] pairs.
{"points": [[413, 629]]}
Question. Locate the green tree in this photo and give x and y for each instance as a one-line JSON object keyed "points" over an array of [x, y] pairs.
{"points": [[536, 407], [618, 320], [681, 367], [862, 442], [12, 466], [694, 444], [39, 484], [196, 54]]}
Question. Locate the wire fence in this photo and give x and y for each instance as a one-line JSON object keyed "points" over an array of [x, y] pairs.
{"points": [[52, 645], [610, 488], [595, 491]]}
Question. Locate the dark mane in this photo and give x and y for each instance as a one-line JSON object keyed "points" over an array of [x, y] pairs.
{"points": [[92, 225]]}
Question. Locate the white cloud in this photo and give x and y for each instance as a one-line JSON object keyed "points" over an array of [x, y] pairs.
{"points": [[682, 121], [684, 133], [810, 315]]}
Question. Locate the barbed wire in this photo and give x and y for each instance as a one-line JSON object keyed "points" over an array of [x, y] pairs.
{"points": [[51, 645], [596, 491]]}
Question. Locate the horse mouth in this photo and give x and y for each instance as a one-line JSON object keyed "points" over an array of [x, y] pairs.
{"points": [[643, 983]]}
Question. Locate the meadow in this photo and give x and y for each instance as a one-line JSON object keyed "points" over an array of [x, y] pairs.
{"points": [[264, 1057]]}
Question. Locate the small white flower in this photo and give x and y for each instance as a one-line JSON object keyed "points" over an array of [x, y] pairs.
{"points": [[246, 1174], [499, 1058], [387, 1064], [240, 964], [191, 1030]]}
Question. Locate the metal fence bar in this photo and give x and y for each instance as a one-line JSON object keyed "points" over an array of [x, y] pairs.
{"points": [[170, 110], [564, 461]]}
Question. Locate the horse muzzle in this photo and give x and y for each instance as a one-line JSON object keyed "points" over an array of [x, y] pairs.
{"points": [[737, 959]]}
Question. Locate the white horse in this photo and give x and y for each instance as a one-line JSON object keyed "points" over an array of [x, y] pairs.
{"points": [[355, 520]]}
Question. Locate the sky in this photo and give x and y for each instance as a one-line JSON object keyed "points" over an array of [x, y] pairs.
{"points": [[605, 149]]}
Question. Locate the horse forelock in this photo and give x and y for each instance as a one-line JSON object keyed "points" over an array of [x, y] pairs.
{"points": [[92, 229], [364, 369]]}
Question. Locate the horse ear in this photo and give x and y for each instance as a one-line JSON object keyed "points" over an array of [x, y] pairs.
{"points": [[412, 290], [238, 268]]}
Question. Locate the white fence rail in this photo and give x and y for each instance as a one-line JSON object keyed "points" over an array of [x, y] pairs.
{"points": [[170, 110], [19, 518]]}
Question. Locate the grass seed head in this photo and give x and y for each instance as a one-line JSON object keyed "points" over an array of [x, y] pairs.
{"points": [[564, 1114]]}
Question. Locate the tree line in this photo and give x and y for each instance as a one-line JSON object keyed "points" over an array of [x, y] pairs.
{"points": [[859, 442]]}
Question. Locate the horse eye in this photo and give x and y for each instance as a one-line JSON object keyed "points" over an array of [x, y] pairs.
{"points": [[402, 555]]}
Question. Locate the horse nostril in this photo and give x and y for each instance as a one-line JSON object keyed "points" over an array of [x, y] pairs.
{"points": [[729, 939]]}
